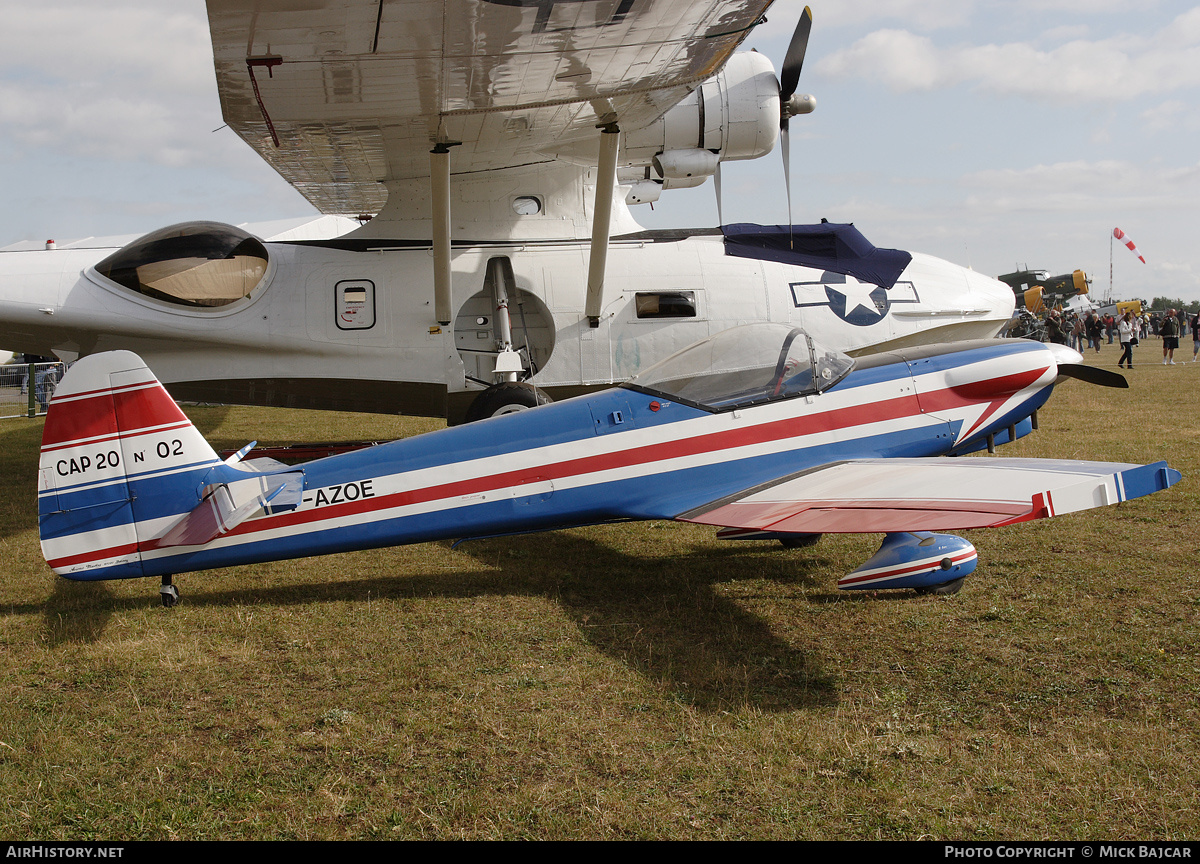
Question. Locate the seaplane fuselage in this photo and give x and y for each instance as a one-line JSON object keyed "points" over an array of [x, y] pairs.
{"points": [[350, 325]]}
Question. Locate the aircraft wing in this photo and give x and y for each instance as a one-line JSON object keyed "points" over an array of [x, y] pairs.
{"points": [[338, 96], [934, 494]]}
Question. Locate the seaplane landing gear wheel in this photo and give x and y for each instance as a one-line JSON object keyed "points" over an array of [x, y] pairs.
{"points": [[168, 593], [945, 589], [505, 399]]}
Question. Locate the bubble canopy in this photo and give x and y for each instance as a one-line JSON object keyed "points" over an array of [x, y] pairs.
{"points": [[748, 365], [199, 265]]}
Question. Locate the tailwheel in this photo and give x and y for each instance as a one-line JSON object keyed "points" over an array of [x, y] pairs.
{"points": [[168, 593]]}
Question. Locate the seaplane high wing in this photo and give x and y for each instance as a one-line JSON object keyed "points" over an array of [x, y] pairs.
{"points": [[497, 147], [759, 429], [341, 97]]}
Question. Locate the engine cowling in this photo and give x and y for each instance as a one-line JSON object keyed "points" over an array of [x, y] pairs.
{"points": [[734, 115]]}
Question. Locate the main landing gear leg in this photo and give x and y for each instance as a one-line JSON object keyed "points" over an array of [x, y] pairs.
{"points": [[168, 592]]}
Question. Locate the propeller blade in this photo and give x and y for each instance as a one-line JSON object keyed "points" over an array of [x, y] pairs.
{"points": [[793, 61], [1092, 375], [786, 149], [717, 186]]}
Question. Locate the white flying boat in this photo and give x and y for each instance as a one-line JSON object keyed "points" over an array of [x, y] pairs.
{"points": [[499, 145]]}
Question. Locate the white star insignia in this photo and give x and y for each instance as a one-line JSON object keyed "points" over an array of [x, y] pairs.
{"points": [[858, 296]]}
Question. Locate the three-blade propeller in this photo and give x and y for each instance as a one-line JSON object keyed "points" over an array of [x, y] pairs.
{"points": [[792, 103]]}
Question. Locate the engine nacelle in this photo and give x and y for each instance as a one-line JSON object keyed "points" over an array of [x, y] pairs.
{"points": [[682, 164], [734, 115], [685, 182]]}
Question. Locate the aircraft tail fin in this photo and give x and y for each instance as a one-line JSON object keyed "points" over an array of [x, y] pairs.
{"points": [[120, 463]]}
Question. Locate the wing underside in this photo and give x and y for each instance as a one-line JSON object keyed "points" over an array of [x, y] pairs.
{"points": [[936, 494], [340, 96]]}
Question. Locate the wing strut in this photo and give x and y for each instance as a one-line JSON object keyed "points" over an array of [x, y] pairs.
{"points": [[606, 178], [439, 178]]}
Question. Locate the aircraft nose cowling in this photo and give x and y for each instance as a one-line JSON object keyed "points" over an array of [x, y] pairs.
{"points": [[1064, 355], [1070, 365]]}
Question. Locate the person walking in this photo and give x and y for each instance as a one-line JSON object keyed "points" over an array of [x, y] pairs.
{"points": [[1168, 329], [1125, 331]]}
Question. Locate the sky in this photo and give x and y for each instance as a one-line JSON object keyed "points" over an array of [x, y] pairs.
{"points": [[997, 135]]}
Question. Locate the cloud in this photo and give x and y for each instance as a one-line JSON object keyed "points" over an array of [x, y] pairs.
{"points": [[1120, 68], [1169, 115], [164, 46], [128, 81], [922, 15], [1081, 188]]}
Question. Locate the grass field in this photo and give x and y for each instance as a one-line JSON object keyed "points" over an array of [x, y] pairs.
{"points": [[629, 681]]}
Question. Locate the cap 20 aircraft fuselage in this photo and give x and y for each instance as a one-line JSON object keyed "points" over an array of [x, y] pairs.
{"points": [[500, 144], [758, 429]]}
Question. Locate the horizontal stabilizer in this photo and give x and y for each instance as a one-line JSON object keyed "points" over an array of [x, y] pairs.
{"points": [[227, 505], [935, 494]]}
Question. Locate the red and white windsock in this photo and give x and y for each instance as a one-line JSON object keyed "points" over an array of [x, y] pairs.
{"points": [[1120, 235]]}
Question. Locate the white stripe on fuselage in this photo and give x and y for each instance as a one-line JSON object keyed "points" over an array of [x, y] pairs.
{"points": [[592, 448], [544, 457]]}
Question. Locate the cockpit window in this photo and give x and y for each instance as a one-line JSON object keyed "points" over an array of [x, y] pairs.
{"points": [[743, 366], [197, 264]]}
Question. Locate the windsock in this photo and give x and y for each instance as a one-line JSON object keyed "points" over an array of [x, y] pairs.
{"points": [[1120, 235]]}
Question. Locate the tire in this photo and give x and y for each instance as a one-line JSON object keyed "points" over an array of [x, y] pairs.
{"points": [[800, 541], [506, 398], [945, 589]]}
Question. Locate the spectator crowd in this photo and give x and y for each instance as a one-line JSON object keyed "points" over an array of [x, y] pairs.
{"points": [[1087, 332]]}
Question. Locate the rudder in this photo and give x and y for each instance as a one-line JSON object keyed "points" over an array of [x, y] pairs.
{"points": [[119, 462]]}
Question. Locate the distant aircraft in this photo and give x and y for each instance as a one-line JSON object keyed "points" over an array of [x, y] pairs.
{"points": [[1037, 291], [499, 145], [759, 430]]}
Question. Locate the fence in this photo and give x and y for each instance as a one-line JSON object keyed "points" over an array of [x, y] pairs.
{"points": [[26, 388]]}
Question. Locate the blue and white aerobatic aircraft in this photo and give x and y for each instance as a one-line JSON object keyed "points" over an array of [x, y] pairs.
{"points": [[500, 146], [758, 430]]}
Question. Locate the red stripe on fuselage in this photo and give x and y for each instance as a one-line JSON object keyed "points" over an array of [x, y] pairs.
{"points": [[837, 419], [855, 415], [85, 557], [996, 391]]}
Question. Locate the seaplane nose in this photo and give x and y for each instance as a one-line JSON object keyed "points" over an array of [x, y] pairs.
{"points": [[993, 294]]}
